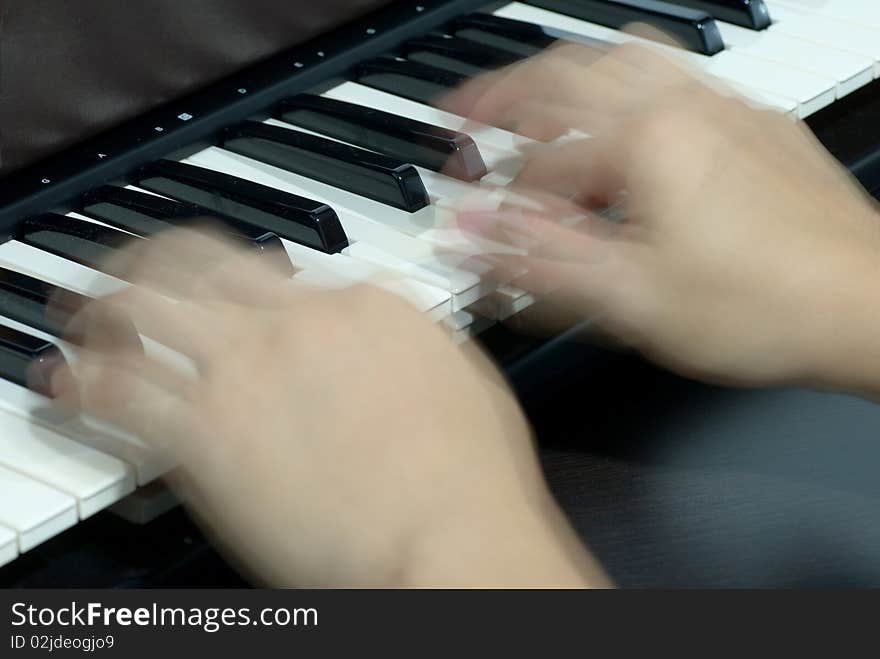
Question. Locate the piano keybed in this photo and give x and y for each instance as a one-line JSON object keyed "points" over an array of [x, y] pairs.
{"points": [[378, 200]]}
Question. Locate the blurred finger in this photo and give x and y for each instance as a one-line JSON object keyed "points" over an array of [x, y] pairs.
{"points": [[128, 397], [247, 278], [547, 77], [185, 328], [187, 263], [540, 236], [586, 170], [540, 121], [93, 324], [651, 33]]}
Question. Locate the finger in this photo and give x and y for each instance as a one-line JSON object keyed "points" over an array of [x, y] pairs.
{"points": [[584, 289], [586, 170], [166, 262], [626, 80], [550, 78], [461, 100], [187, 263], [247, 278], [240, 272], [154, 371], [126, 397], [540, 121], [93, 324], [184, 327], [541, 236], [651, 33]]}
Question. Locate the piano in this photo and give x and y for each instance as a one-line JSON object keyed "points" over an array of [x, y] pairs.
{"points": [[317, 142]]}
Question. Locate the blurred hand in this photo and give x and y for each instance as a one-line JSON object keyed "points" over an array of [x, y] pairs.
{"points": [[329, 437], [748, 255]]}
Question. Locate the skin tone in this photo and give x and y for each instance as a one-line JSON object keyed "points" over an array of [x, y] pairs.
{"points": [[329, 438], [338, 438], [748, 256]]}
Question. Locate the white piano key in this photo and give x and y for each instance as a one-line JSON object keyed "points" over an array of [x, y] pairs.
{"points": [[437, 185], [850, 70], [459, 320], [443, 187], [734, 70], [768, 79], [218, 159], [416, 259], [495, 144], [825, 30], [146, 503], [433, 224], [477, 325], [36, 512], [427, 297], [94, 479], [812, 92], [147, 462], [433, 264], [461, 298], [8, 545], [94, 220], [364, 230], [56, 270], [340, 270], [503, 303], [861, 12]]}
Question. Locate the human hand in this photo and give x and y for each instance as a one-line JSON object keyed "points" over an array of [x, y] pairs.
{"points": [[328, 438], [748, 255]]}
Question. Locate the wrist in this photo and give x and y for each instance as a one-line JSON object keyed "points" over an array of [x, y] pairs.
{"points": [[509, 545]]}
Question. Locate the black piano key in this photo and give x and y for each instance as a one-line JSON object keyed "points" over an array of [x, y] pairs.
{"points": [[26, 300], [695, 30], [432, 147], [83, 242], [524, 50], [517, 36], [50, 308], [365, 173], [290, 216], [480, 57], [147, 215], [446, 63], [25, 359], [412, 80], [752, 14]]}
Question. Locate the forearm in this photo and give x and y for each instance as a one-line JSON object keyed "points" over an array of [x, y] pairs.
{"points": [[846, 352], [517, 546]]}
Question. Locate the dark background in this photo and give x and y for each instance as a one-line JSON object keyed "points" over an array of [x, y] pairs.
{"points": [[69, 69]]}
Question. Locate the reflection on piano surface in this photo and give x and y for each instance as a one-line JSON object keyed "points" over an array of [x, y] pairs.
{"points": [[347, 173]]}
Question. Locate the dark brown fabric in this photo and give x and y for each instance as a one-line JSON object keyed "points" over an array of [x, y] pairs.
{"points": [[69, 68]]}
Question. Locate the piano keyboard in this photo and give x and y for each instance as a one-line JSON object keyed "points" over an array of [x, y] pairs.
{"points": [[355, 181]]}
